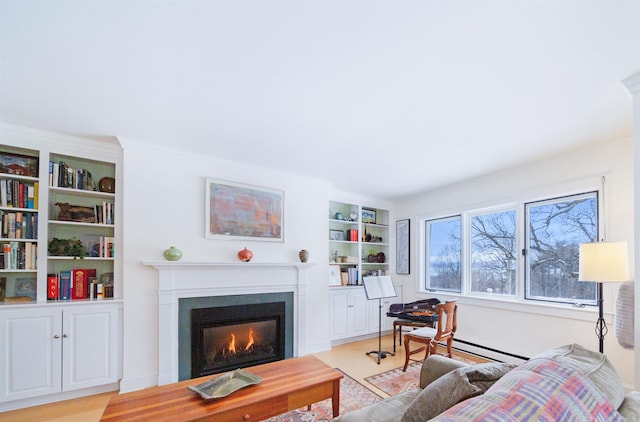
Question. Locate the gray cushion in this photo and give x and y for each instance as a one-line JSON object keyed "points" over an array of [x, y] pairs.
{"points": [[630, 408], [387, 410], [454, 387], [594, 366]]}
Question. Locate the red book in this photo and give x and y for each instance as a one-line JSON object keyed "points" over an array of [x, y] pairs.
{"points": [[52, 287], [80, 282]]}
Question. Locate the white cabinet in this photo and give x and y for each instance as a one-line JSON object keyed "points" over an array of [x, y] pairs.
{"points": [[352, 314], [52, 349], [349, 312]]}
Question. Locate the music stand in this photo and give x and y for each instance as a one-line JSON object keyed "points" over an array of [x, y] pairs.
{"points": [[379, 288]]}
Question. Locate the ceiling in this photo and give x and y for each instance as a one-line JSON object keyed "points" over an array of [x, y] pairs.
{"points": [[385, 98]]}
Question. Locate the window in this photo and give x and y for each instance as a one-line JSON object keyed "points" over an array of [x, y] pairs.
{"points": [[443, 254], [525, 251], [555, 229], [494, 252]]}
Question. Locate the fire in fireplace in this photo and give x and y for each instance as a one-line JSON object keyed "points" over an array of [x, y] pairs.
{"points": [[231, 337]]}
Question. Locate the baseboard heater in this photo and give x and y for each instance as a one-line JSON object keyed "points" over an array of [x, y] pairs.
{"points": [[487, 352]]}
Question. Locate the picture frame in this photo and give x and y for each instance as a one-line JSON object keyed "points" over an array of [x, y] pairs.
{"points": [[236, 211], [368, 216], [334, 275], [403, 233], [336, 235], [19, 164]]}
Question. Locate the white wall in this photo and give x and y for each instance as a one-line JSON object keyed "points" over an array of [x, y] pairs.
{"points": [[529, 329], [164, 206]]}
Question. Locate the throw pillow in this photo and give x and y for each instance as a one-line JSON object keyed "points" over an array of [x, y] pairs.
{"points": [[454, 387], [594, 366]]}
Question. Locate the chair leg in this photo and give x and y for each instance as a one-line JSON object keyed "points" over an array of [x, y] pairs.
{"points": [[407, 353]]}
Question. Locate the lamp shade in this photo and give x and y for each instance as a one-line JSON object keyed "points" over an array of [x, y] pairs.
{"points": [[606, 262]]}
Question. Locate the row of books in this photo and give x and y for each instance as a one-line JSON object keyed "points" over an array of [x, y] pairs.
{"points": [[104, 213], [18, 194], [99, 246], [352, 235], [349, 276], [19, 256], [18, 225], [63, 176], [80, 283]]}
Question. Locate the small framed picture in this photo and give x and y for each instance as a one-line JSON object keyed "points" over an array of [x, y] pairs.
{"points": [[336, 235], [18, 164], [368, 216], [334, 275]]}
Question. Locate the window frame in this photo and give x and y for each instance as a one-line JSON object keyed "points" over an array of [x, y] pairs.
{"points": [[526, 247], [561, 190]]}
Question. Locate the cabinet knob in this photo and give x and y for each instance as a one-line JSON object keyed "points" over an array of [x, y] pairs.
{"points": [[246, 417], [56, 336], [350, 306], [64, 336]]}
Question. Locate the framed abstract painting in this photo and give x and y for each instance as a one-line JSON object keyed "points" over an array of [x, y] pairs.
{"points": [[402, 246], [234, 211]]}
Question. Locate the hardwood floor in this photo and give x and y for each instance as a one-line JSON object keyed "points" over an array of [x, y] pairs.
{"points": [[351, 358]]}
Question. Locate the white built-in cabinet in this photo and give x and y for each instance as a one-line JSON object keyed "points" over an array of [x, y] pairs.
{"points": [[55, 349], [50, 346], [353, 315]]}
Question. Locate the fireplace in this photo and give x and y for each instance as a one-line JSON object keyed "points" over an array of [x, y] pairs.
{"points": [[230, 337], [184, 285]]}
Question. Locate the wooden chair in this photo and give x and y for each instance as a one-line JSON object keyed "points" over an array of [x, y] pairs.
{"points": [[443, 333]]}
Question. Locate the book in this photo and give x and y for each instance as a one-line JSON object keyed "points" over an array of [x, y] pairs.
{"points": [[80, 282], [3, 288], [53, 291], [378, 287], [65, 285]]}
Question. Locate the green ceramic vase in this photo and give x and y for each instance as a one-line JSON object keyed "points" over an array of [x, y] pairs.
{"points": [[172, 254]]}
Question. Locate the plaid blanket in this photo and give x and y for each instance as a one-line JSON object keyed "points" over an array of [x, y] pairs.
{"points": [[538, 390]]}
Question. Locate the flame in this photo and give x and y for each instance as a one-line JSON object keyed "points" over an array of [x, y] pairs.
{"points": [[232, 344], [250, 339]]}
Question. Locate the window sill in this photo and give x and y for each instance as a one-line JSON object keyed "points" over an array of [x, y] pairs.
{"points": [[587, 313]]}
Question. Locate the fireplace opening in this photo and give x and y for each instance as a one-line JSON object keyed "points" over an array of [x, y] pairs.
{"points": [[231, 337]]}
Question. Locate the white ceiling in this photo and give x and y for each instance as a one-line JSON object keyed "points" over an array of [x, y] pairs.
{"points": [[384, 98]]}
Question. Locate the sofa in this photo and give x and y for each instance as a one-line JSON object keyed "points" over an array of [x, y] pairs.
{"points": [[568, 383]]}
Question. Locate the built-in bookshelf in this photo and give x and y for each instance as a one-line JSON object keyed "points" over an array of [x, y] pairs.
{"points": [[58, 217], [358, 242], [19, 212], [80, 249]]}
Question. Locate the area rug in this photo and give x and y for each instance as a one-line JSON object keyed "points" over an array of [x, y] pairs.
{"points": [[353, 396], [395, 381]]}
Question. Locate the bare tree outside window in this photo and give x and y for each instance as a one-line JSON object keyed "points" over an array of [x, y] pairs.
{"points": [[555, 229], [444, 254], [493, 253]]}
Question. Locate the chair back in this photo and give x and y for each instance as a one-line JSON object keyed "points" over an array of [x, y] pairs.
{"points": [[447, 320]]}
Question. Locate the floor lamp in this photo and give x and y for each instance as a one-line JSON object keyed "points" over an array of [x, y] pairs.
{"points": [[603, 262]]}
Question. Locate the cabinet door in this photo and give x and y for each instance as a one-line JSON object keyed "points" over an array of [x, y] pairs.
{"points": [[359, 315], [30, 353], [90, 346], [339, 314]]}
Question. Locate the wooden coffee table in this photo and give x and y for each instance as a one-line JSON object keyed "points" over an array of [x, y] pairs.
{"points": [[287, 385]]}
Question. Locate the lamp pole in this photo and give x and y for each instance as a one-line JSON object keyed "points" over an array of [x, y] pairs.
{"points": [[601, 325]]}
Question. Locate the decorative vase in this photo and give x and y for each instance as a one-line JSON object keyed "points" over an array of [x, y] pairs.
{"points": [[172, 254], [245, 255], [380, 257], [372, 258], [107, 184], [304, 255]]}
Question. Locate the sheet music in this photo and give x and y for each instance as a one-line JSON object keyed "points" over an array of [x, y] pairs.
{"points": [[379, 287]]}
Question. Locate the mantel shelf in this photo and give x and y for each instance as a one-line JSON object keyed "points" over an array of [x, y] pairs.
{"points": [[169, 265]]}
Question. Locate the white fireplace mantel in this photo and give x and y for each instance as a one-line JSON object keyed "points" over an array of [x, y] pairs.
{"points": [[183, 279]]}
